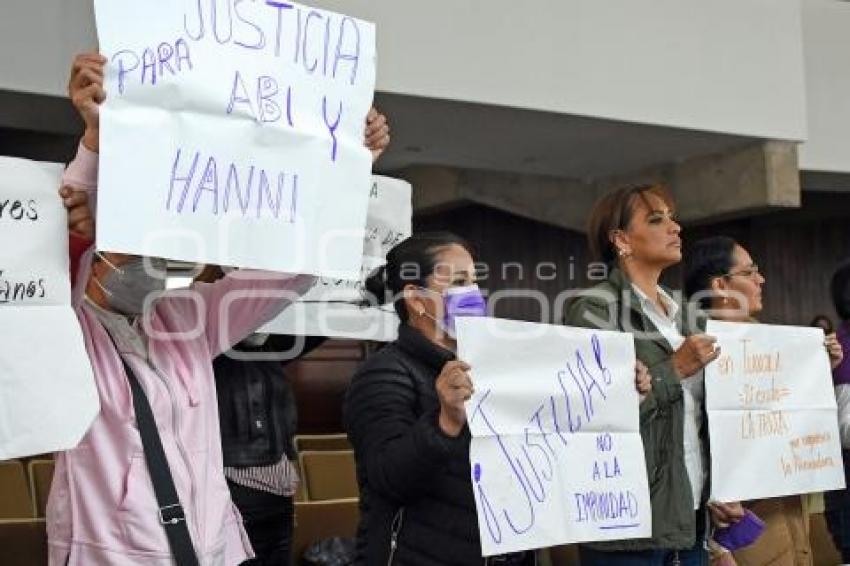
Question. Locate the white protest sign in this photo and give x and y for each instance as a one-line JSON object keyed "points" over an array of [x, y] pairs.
{"points": [[556, 452], [772, 416], [232, 133], [335, 307], [48, 398]]}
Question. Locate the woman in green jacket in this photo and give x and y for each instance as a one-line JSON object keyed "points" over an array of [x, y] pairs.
{"points": [[634, 232]]}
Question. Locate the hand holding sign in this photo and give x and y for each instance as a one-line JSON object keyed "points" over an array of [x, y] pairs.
{"points": [[80, 219], [454, 388], [835, 351], [377, 133], [643, 380], [85, 88], [696, 352]]}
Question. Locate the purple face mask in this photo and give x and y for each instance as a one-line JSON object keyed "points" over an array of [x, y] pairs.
{"points": [[462, 301]]}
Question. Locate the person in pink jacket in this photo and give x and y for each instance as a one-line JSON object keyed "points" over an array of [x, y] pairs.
{"points": [[102, 509]]}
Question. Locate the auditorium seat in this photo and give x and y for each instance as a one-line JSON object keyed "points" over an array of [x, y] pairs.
{"points": [[322, 442], [318, 520], [15, 502], [328, 474], [41, 476], [23, 542]]}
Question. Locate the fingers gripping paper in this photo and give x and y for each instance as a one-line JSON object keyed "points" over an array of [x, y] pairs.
{"points": [[556, 453], [340, 308], [771, 413], [48, 397], [232, 133]]}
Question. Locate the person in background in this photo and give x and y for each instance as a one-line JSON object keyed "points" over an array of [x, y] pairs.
{"points": [[824, 322], [837, 502], [102, 508], [727, 283], [258, 418], [634, 231]]}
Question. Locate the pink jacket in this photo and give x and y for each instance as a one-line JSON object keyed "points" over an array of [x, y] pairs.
{"points": [[102, 509]]}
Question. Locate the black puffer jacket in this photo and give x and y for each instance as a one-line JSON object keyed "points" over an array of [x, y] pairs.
{"points": [[407, 468]]}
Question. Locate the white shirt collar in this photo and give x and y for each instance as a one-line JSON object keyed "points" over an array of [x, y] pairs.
{"points": [[670, 305]]}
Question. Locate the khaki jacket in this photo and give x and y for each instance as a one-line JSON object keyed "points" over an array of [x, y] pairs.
{"points": [[613, 305], [785, 541]]}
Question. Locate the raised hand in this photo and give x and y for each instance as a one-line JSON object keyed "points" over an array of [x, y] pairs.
{"points": [[80, 219], [85, 88], [377, 134]]}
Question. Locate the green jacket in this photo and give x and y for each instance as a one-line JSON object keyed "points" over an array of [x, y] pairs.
{"points": [[613, 305]]}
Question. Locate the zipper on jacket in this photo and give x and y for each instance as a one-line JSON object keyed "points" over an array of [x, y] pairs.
{"points": [[175, 422], [488, 561], [395, 528]]}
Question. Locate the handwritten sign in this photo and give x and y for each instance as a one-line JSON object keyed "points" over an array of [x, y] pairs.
{"points": [[48, 397], [772, 413], [336, 307], [232, 133], [556, 452]]}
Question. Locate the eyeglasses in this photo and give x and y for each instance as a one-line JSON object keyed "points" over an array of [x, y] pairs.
{"points": [[750, 272]]}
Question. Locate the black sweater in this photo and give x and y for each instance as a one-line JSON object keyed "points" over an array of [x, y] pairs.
{"points": [[404, 461]]}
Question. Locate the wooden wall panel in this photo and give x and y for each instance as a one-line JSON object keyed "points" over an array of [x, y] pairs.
{"points": [[797, 251]]}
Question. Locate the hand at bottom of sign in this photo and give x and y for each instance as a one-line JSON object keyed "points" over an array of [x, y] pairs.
{"points": [[696, 352], [80, 218], [724, 514], [834, 349], [643, 380], [454, 387]]}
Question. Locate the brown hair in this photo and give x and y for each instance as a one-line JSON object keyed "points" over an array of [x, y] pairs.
{"points": [[614, 211]]}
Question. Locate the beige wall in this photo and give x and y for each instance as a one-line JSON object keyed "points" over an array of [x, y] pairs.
{"points": [[731, 66], [827, 60]]}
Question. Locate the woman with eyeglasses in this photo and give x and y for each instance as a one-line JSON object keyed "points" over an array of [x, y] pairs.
{"points": [[634, 231], [723, 280]]}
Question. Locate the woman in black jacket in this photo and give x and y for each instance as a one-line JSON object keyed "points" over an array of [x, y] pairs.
{"points": [[405, 415]]}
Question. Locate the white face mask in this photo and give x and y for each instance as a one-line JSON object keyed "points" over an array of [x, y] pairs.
{"points": [[127, 287]]}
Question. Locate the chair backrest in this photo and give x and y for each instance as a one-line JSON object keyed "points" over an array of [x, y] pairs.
{"points": [[317, 520], [41, 476], [328, 474], [322, 442], [23, 542], [15, 502]]}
